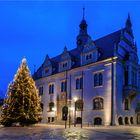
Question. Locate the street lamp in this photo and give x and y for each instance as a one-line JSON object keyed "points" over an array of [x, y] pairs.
{"points": [[75, 99]]}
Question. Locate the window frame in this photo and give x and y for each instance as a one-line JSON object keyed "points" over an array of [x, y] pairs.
{"points": [[98, 79], [41, 90], [88, 56], [63, 86], [99, 104], [79, 83], [79, 104], [51, 88], [126, 106]]}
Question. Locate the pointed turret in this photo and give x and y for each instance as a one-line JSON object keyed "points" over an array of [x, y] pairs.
{"points": [[47, 61], [83, 24], [128, 25], [83, 35], [65, 49], [47, 58]]}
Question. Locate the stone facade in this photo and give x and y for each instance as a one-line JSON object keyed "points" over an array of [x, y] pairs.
{"points": [[98, 81]]}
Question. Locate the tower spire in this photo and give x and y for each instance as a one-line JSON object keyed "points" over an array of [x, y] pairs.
{"points": [[83, 36], [128, 25], [83, 13], [128, 21]]}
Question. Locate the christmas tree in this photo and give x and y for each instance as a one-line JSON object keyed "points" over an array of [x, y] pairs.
{"points": [[22, 104]]}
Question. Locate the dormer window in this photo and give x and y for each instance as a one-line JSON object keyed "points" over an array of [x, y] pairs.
{"points": [[46, 71], [65, 60], [88, 56], [89, 53], [65, 65]]}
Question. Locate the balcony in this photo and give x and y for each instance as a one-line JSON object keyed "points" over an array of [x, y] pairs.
{"points": [[130, 91]]}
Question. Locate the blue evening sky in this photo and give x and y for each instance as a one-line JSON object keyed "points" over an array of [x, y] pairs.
{"points": [[36, 28]]}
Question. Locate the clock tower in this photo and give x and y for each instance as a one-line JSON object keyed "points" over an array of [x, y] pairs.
{"points": [[83, 36]]}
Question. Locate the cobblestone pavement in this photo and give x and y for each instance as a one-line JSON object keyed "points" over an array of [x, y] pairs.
{"points": [[46, 132]]}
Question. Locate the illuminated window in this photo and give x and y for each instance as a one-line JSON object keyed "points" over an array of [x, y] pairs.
{"points": [[79, 105], [98, 103]]}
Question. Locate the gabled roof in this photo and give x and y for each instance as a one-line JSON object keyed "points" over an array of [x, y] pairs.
{"points": [[104, 44]]}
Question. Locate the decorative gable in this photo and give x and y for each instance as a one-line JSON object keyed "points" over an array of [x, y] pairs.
{"points": [[65, 61], [47, 67], [89, 53]]}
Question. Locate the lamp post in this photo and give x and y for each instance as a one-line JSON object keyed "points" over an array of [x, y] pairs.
{"points": [[75, 99]]}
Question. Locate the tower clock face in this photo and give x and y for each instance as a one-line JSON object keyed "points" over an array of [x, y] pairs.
{"points": [[79, 42]]}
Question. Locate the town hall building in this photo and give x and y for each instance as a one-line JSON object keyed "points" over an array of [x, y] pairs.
{"points": [[95, 83]]}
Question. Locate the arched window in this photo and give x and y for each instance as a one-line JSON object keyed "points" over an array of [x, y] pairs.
{"points": [[126, 120], [120, 121], [86, 57], [97, 121], [79, 105], [100, 79], [98, 103], [126, 104], [51, 106], [90, 56], [95, 80], [131, 120]]}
